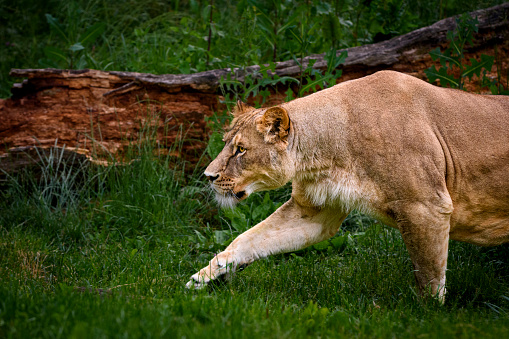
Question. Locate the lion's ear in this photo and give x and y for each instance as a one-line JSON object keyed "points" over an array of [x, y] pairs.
{"points": [[274, 124], [241, 108]]}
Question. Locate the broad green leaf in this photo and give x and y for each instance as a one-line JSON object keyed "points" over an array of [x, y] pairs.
{"points": [[221, 237], [284, 80], [237, 219], [92, 33], [476, 66], [56, 54], [454, 45], [441, 74], [324, 8], [436, 54], [76, 47], [336, 244], [339, 242], [82, 62], [333, 61], [56, 27], [289, 95], [205, 13], [200, 237], [252, 91], [319, 81], [321, 246]]}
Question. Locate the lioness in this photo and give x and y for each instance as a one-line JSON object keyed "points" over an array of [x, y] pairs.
{"points": [[429, 161]]}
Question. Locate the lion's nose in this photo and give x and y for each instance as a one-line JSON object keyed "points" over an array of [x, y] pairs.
{"points": [[212, 177]]}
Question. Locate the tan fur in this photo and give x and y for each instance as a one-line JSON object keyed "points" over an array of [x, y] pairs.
{"points": [[429, 161]]}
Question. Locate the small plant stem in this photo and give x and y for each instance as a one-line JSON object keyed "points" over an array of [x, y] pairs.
{"points": [[274, 52], [498, 63], [463, 40], [356, 30], [210, 32]]}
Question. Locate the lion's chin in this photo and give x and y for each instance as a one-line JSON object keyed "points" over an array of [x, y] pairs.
{"points": [[229, 200]]}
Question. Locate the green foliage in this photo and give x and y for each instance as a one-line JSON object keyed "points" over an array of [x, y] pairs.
{"points": [[215, 144], [256, 83], [453, 60], [331, 29], [161, 37], [389, 18], [77, 43], [496, 86], [315, 78], [259, 83]]}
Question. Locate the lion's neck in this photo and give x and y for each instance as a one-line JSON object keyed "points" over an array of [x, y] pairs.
{"points": [[324, 167]]}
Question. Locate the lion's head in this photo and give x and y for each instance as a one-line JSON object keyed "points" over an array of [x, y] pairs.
{"points": [[255, 155]]}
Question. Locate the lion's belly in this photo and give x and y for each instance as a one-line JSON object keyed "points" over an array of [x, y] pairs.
{"points": [[481, 226], [480, 194], [495, 234]]}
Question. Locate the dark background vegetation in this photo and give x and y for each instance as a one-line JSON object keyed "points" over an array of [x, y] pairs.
{"points": [[156, 36], [97, 252]]}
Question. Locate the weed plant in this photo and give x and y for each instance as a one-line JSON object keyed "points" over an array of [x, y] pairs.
{"points": [[454, 68]]}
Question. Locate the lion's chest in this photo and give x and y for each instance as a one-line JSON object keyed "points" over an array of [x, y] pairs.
{"points": [[339, 189]]}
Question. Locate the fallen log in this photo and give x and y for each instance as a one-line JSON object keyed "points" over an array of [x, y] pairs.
{"points": [[106, 112]]}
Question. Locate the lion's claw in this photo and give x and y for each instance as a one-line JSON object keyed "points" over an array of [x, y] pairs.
{"points": [[197, 282], [195, 285]]}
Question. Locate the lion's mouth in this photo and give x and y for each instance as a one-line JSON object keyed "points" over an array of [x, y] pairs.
{"points": [[239, 195], [230, 193], [229, 198], [235, 195]]}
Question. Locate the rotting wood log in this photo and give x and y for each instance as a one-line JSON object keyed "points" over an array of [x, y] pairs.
{"points": [[105, 112]]}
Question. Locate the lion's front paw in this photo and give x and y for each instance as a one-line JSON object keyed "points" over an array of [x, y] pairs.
{"points": [[197, 282], [220, 266]]}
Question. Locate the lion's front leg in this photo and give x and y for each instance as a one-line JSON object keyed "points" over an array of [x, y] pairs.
{"points": [[292, 227], [425, 230]]}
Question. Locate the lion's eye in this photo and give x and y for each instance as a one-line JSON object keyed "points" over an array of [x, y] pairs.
{"points": [[240, 149]]}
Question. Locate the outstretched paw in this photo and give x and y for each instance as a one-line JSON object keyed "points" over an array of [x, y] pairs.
{"points": [[217, 270], [197, 283]]}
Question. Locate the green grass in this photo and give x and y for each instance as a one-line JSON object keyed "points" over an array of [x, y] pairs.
{"points": [[106, 253]]}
